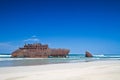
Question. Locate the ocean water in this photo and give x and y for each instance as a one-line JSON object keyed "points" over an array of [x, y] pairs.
{"points": [[7, 61]]}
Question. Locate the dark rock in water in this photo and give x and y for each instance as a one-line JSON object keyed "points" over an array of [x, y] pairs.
{"points": [[39, 51], [88, 54]]}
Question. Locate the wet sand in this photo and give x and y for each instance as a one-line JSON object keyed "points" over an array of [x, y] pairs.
{"points": [[96, 70]]}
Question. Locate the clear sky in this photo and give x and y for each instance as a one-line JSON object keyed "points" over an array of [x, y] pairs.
{"points": [[78, 25]]}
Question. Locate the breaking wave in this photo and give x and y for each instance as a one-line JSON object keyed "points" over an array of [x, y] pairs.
{"points": [[107, 56], [99, 55], [5, 56]]}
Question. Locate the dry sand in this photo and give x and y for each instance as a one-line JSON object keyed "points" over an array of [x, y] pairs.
{"points": [[96, 70]]}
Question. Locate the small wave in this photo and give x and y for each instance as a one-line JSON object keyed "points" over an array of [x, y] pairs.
{"points": [[9, 59], [99, 55], [106, 56], [5, 56], [113, 56]]}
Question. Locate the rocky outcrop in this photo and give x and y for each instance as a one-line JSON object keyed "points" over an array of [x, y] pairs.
{"points": [[88, 54]]}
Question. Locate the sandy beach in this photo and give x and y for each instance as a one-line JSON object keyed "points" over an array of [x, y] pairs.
{"points": [[96, 70]]}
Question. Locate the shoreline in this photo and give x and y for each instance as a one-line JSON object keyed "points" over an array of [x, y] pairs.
{"points": [[94, 70], [21, 62]]}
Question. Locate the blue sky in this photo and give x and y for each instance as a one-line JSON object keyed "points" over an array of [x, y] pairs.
{"points": [[78, 25]]}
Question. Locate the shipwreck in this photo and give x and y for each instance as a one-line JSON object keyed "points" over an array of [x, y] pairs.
{"points": [[38, 50]]}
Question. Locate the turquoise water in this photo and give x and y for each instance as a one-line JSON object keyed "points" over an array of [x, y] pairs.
{"points": [[6, 61]]}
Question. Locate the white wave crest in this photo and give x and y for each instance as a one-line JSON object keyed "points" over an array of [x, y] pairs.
{"points": [[5, 56], [99, 55]]}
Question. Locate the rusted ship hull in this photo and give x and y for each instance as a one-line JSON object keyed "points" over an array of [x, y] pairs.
{"points": [[39, 51]]}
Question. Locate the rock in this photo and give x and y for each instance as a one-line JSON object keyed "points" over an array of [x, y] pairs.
{"points": [[88, 54]]}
